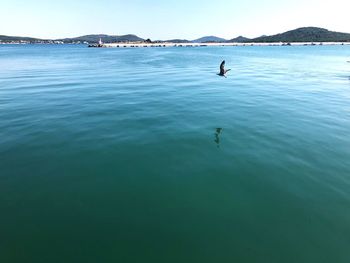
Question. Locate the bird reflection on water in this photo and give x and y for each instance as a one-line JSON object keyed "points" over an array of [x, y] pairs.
{"points": [[217, 136]]}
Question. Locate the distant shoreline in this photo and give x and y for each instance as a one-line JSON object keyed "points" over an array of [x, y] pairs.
{"points": [[191, 44], [146, 45], [299, 36]]}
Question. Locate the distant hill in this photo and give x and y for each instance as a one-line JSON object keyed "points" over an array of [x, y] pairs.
{"points": [[174, 41], [18, 39], [306, 34], [208, 39], [239, 39], [104, 38], [88, 38]]}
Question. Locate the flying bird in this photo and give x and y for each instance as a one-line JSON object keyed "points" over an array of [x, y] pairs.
{"points": [[223, 71]]}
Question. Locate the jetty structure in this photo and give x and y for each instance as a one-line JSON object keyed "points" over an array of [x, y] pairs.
{"points": [[100, 44], [169, 44]]}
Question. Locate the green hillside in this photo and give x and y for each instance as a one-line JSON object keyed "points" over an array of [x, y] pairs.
{"points": [[306, 34]]}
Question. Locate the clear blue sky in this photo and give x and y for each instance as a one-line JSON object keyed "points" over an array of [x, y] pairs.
{"points": [[161, 19]]}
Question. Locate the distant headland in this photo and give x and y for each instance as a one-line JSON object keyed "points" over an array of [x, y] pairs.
{"points": [[299, 35]]}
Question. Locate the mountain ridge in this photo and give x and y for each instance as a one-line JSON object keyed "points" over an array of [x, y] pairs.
{"points": [[239, 39], [94, 38], [208, 39], [303, 34]]}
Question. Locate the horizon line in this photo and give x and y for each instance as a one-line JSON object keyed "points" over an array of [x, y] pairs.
{"points": [[161, 39]]}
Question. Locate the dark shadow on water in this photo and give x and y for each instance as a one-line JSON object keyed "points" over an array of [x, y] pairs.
{"points": [[217, 136]]}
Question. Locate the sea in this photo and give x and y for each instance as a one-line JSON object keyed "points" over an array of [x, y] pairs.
{"points": [[147, 155]]}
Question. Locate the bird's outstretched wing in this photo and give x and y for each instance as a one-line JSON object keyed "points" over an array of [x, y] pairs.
{"points": [[222, 68]]}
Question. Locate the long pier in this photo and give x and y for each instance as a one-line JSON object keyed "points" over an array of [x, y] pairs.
{"points": [[150, 45]]}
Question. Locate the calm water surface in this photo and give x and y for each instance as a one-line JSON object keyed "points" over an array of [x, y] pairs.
{"points": [[146, 155]]}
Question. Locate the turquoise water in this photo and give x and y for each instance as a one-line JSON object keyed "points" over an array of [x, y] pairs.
{"points": [[146, 155]]}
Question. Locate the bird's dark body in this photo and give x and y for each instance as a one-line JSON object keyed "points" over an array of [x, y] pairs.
{"points": [[223, 71]]}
